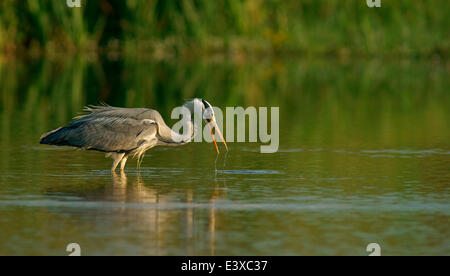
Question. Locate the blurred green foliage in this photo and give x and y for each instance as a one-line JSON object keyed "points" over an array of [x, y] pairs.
{"points": [[184, 27], [383, 104]]}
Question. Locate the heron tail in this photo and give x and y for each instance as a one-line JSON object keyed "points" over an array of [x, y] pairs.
{"points": [[56, 137]]}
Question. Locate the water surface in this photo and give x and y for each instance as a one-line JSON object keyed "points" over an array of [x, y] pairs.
{"points": [[364, 157]]}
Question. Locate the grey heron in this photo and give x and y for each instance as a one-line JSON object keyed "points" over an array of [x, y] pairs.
{"points": [[124, 132]]}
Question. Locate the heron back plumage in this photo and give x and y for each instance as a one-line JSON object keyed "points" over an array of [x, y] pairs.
{"points": [[108, 129]]}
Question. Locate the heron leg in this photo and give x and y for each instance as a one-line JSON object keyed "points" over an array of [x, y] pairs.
{"points": [[123, 162], [116, 159]]}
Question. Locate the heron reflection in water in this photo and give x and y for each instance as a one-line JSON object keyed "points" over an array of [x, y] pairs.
{"points": [[164, 222], [125, 132]]}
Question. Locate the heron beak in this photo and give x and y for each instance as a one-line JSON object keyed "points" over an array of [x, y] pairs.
{"points": [[214, 140], [220, 133]]}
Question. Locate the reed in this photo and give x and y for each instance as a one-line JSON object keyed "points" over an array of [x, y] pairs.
{"points": [[186, 27]]}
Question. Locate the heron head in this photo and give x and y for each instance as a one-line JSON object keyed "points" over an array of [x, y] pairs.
{"points": [[208, 112], [201, 108], [205, 109]]}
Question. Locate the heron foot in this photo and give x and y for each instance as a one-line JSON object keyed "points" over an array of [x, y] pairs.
{"points": [[117, 157], [122, 163]]}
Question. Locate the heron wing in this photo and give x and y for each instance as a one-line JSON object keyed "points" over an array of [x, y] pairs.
{"points": [[108, 128]]}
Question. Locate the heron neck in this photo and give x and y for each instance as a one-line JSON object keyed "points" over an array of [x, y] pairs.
{"points": [[170, 137]]}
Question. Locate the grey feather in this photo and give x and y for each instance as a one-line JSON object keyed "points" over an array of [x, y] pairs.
{"points": [[110, 129], [121, 132]]}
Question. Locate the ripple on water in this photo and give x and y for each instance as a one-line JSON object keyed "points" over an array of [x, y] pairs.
{"points": [[406, 151], [252, 172]]}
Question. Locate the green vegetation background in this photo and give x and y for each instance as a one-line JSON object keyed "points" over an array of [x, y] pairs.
{"points": [[338, 68], [168, 28]]}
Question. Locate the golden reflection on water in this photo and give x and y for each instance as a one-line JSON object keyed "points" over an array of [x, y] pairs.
{"points": [[157, 220], [364, 154]]}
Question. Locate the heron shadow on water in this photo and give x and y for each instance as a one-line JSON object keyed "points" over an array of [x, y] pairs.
{"points": [[160, 221], [122, 190], [129, 132], [148, 205]]}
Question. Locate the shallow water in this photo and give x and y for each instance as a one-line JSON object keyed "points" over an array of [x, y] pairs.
{"points": [[362, 159]]}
